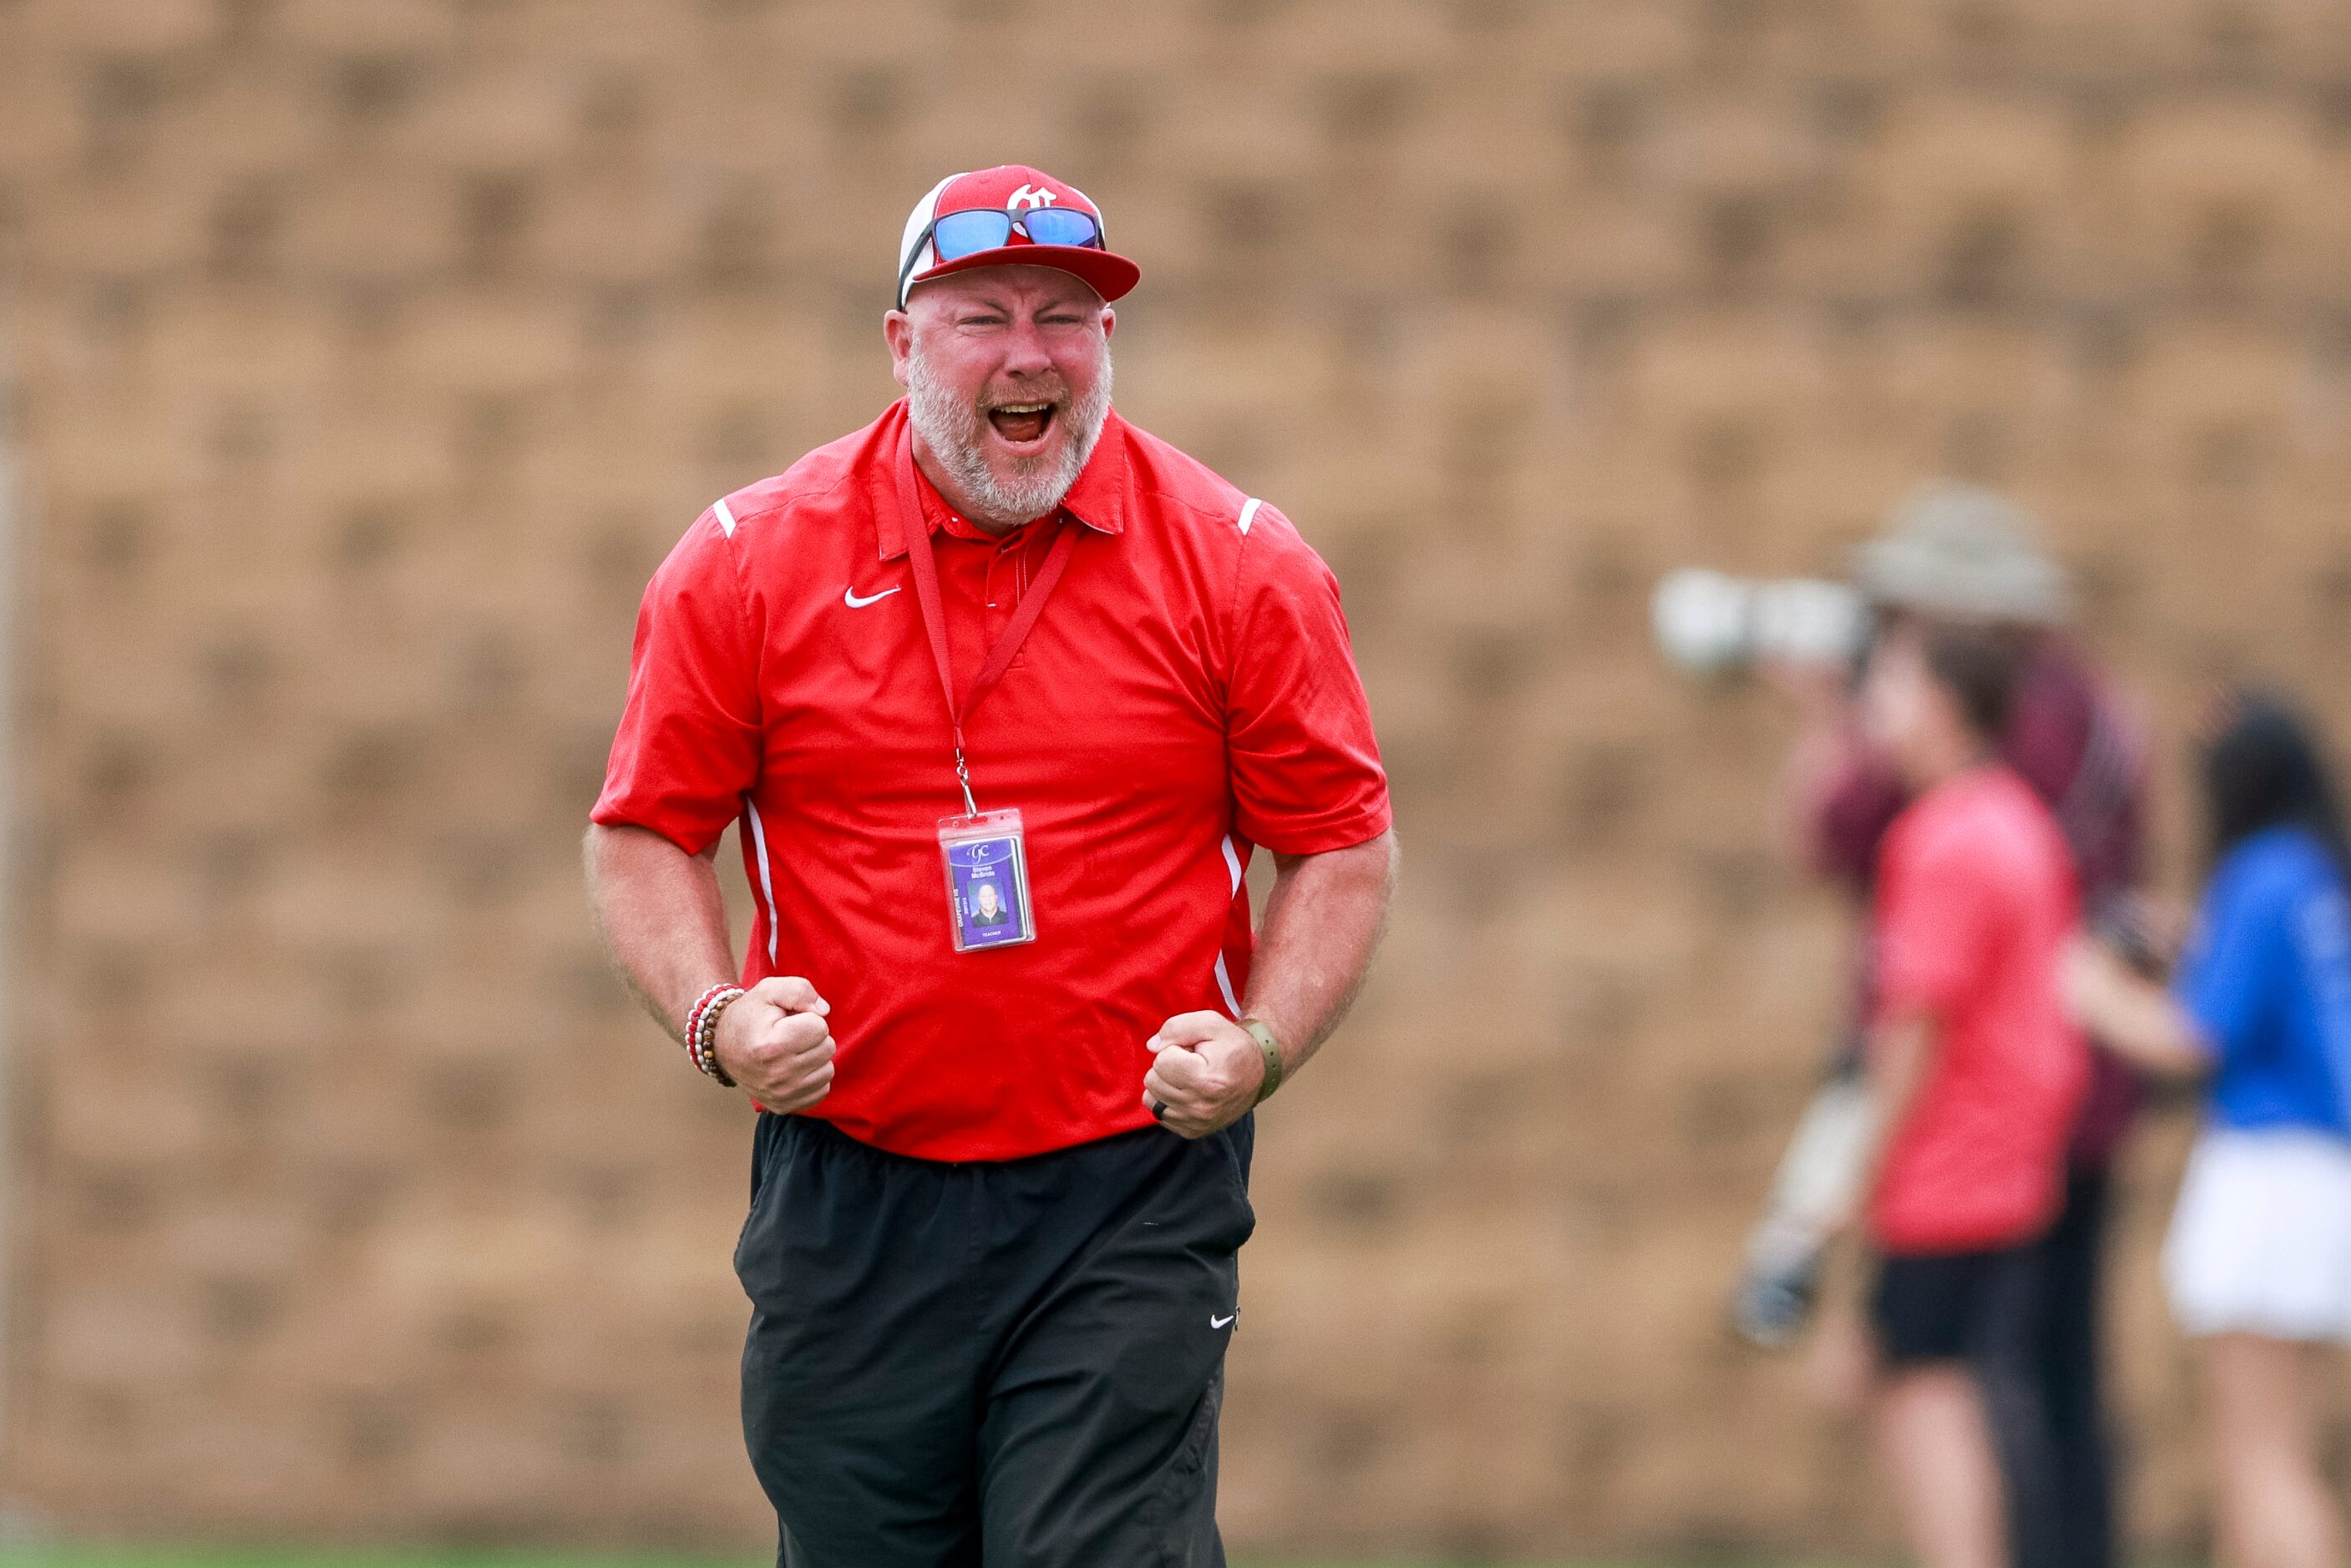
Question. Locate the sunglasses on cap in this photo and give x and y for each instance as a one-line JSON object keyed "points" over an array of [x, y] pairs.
{"points": [[954, 236]]}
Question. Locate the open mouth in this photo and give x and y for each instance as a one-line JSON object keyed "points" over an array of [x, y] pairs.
{"points": [[1022, 424]]}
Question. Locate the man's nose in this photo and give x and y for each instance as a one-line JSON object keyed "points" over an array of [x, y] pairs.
{"points": [[1024, 351]]}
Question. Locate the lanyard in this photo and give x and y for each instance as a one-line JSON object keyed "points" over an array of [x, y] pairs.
{"points": [[935, 621]]}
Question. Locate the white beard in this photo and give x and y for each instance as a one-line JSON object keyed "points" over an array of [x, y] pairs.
{"points": [[953, 431]]}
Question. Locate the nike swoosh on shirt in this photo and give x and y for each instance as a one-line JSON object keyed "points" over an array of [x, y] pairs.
{"points": [[1216, 1322], [848, 596]]}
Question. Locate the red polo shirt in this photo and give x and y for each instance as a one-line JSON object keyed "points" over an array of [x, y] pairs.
{"points": [[1187, 693]]}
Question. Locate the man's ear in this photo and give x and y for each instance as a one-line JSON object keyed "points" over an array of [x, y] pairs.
{"points": [[1110, 321], [898, 331]]}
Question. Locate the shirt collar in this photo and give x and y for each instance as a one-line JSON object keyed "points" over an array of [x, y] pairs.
{"points": [[1098, 499]]}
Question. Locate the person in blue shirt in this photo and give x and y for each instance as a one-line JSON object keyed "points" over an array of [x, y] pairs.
{"points": [[2258, 1263]]}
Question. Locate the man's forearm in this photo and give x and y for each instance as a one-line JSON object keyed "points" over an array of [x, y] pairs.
{"points": [[1818, 760], [663, 917], [1322, 924]]}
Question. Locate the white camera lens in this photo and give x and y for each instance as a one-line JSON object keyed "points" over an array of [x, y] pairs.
{"points": [[1711, 623]]}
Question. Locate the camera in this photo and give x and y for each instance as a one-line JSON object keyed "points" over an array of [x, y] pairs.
{"points": [[1713, 624]]}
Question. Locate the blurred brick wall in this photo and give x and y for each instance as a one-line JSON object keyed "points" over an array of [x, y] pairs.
{"points": [[373, 352]]}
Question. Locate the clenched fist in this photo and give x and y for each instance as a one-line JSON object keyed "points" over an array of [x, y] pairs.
{"points": [[1206, 1074], [773, 1042]]}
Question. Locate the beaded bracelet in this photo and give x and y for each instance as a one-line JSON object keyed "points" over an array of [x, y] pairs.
{"points": [[705, 1045], [694, 1013], [701, 1029], [701, 1037]]}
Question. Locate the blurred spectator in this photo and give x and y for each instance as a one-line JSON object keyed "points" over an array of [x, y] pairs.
{"points": [[1961, 553], [1975, 1075], [2259, 1260]]}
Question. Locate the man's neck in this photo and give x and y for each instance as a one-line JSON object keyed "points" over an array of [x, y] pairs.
{"points": [[952, 493]]}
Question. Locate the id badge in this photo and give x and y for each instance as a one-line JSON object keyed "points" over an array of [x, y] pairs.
{"points": [[988, 881]]}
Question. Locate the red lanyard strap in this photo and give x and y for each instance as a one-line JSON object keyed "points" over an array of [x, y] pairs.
{"points": [[935, 621]]}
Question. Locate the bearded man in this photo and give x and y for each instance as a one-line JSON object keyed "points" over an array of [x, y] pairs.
{"points": [[999, 635]]}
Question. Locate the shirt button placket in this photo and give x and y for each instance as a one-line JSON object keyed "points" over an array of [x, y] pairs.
{"points": [[999, 609]]}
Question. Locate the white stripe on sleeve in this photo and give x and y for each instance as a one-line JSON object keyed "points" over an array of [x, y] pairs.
{"points": [[1225, 985], [767, 883]]}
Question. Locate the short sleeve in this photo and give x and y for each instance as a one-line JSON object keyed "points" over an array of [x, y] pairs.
{"points": [[1936, 912], [689, 741], [2235, 962], [1305, 767]]}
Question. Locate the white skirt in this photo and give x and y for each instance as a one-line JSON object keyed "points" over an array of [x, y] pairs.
{"points": [[2260, 1239]]}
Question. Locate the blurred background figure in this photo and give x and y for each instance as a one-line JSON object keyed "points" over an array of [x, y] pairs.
{"points": [[1974, 1075], [1955, 553], [1964, 552], [2258, 1259]]}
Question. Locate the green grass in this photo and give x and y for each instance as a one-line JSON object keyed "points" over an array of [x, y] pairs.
{"points": [[269, 1557], [85, 1555], [88, 1555]]}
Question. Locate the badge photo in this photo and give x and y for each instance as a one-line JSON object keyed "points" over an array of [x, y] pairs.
{"points": [[988, 881]]}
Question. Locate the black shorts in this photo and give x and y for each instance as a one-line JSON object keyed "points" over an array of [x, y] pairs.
{"points": [[1980, 1308], [1020, 1363]]}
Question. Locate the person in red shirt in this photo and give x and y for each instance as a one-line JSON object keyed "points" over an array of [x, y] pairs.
{"points": [[1960, 552], [1004, 694], [1976, 1074]]}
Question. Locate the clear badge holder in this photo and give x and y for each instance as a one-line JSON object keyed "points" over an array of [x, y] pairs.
{"points": [[988, 881]]}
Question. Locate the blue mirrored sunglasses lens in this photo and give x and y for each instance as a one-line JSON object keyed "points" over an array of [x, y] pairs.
{"points": [[959, 234], [1052, 226]]}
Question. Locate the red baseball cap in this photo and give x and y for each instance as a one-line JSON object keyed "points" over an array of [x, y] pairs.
{"points": [[1017, 189]]}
